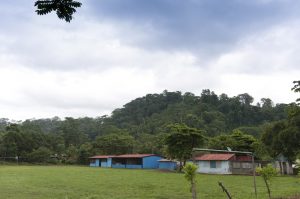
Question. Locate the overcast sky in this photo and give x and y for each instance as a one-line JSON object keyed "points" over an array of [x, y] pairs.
{"points": [[117, 50]]}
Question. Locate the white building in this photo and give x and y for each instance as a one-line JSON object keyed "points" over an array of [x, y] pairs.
{"points": [[224, 164]]}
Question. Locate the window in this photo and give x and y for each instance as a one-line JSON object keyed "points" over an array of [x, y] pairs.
{"points": [[246, 165], [236, 165], [213, 164]]}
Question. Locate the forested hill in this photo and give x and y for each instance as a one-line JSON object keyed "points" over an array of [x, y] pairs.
{"points": [[138, 127], [210, 112]]}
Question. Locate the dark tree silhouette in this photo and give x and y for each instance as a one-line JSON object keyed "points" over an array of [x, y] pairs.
{"points": [[63, 8]]}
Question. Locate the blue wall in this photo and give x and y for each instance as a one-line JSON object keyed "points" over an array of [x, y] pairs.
{"points": [[167, 165], [106, 164], [133, 166], [120, 166], [151, 162], [109, 162], [96, 164]]}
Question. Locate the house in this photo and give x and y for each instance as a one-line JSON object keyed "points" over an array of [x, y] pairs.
{"points": [[129, 161], [224, 164], [165, 164]]}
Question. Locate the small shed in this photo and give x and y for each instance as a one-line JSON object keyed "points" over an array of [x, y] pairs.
{"points": [[165, 164], [224, 164]]}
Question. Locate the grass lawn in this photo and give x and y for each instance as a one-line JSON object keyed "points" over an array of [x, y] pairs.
{"points": [[68, 182]]}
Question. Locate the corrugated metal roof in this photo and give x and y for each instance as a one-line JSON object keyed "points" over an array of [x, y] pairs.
{"points": [[166, 160], [134, 155], [123, 156], [102, 156], [215, 157]]}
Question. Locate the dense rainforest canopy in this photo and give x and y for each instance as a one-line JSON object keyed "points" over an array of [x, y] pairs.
{"points": [[141, 126]]}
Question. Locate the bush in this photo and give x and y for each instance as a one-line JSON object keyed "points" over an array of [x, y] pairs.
{"points": [[40, 155], [267, 173]]}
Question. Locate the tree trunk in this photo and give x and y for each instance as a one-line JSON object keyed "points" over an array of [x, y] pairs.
{"points": [[194, 192], [180, 165], [268, 188]]}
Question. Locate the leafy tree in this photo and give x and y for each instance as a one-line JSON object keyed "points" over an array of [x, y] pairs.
{"points": [[245, 99], [181, 140], [296, 88], [266, 103], [41, 155], [72, 155], [267, 173], [243, 142], [284, 136], [140, 127], [255, 131], [73, 135], [84, 152], [64, 8], [190, 170], [115, 144], [237, 141]]}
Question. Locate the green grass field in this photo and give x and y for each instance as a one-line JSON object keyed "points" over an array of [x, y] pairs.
{"points": [[30, 182]]}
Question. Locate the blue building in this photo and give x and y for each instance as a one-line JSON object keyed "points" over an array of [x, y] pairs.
{"points": [[129, 161], [165, 164], [101, 161]]}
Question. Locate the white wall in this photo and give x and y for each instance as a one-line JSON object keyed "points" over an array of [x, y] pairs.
{"points": [[222, 167]]}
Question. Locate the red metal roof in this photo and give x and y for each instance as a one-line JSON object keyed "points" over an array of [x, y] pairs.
{"points": [[102, 156], [123, 156], [134, 155], [215, 157]]}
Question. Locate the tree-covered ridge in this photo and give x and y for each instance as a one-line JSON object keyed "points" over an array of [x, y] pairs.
{"points": [[210, 112], [141, 126]]}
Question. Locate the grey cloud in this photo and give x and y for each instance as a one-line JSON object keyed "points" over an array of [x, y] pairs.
{"points": [[205, 26]]}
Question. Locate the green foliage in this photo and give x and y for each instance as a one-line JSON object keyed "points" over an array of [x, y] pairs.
{"points": [[255, 131], [296, 88], [64, 8], [284, 136], [85, 151], [41, 155], [72, 133], [72, 155], [115, 144], [190, 170], [143, 124], [237, 141], [267, 173], [181, 140]]}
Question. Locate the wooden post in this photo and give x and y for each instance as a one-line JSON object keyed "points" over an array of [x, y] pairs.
{"points": [[254, 180], [225, 190]]}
